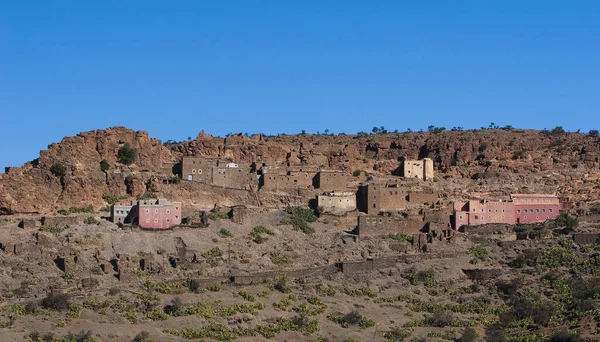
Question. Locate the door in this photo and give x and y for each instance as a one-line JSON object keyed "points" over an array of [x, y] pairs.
{"points": [[189, 177]]}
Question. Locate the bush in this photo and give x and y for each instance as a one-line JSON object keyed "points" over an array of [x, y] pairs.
{"points": [[225, 233], [395, 335], [192, 285], [426, 277], [469, 335], [300, 218], [557, 130], [352, 318], [280, 284], [90, 220], [174, 180], [58, 169], [256, 234], [144, 336], [126, 154], [56, 301], [567, 221], [176, 308], [104, 165], [356, 173], [593, 133], [217, 216], [520, 154], [482, 147]]}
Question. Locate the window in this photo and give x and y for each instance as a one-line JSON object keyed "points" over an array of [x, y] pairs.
{"points": [[156, 211], [543, 210], [525, 216], [147, 220], [537, 217], [460, 217], [473, 209], [155, 220], [518, 211], [168, 211], [496, 210], [550, 210], [374, 205], [489, 210], [537, 210], [502, 216], [547, 217], [147, 211], [176, 217], [193, 170], [167, 220], [503, 210], [176, 208]]}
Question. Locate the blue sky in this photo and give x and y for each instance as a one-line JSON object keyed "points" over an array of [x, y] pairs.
{"points": [[177, 67]]}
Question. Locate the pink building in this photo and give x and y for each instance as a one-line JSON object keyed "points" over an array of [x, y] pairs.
{"points": [[535, 208], [482, 212], [157, 213], [520, 209]]}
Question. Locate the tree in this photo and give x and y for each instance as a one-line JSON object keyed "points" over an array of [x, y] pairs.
{"points": [[303, 132], [469, 335], [375, 130], [126, 154], [58, 169], [557, 130], [104, 165], [326, 131], [593, 133]]}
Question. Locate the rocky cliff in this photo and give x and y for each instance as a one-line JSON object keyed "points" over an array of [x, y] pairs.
{"points": [[482, 161]]}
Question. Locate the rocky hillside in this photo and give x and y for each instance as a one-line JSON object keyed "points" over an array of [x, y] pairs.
{"points": [[494, 160]]}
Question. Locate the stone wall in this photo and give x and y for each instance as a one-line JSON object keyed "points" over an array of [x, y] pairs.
{"points": [[61, 221], [373, 225]]}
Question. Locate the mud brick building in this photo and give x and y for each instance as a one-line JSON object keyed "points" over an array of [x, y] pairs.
{"points": [[233, 176], [290, 180], [375, 198], [198, 168], [331, 180], [420, 169], [337, 202], [157, 213]]}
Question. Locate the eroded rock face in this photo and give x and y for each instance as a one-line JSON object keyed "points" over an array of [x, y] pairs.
{"points": [[527, 160]]}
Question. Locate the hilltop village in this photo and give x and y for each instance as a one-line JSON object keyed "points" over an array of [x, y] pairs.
{"points": [[115, 236], [384, 205]]}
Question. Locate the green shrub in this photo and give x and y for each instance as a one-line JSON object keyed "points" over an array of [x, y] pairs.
{"points": [[112, 199], [56, 301], [352, 318], [479, 253], [300, 219], [280, 259], [126, 154], [558, 130], [225, 233], [395, 335], [593, 133], [217, 216], [400, 237], [213, 253], [58, 169], [104, 165], [469, 335], [520, 154], [280, 284], [426, 277], [564, 220], [357, 173], [90, 220], [326, 290], [257, 234]]}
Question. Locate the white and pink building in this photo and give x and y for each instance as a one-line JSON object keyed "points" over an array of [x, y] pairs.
{"points": [[156, 213]]}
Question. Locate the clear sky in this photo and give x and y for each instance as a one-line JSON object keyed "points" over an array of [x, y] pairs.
{"points": [[176, 67]]}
